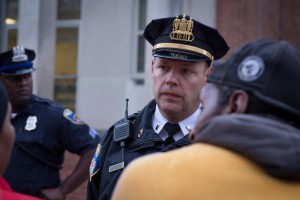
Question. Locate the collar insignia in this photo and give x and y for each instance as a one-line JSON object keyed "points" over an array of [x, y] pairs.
{"points": [[188, 128], [141, 132], [182, 29]]}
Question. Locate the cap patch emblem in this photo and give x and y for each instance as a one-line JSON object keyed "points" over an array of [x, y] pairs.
{"points": [[251, 68], [182, 29], [19, 54], [71, 116]]}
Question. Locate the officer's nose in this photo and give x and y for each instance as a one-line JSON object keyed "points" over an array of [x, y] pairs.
{"points": [[172, 78]]}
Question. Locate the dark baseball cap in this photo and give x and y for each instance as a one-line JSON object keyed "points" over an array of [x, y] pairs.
{"points": [[184, 38], [17, 61], [269, 69]]}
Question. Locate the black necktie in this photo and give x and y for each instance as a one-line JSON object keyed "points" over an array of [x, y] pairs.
{"points": [[171, 130]]}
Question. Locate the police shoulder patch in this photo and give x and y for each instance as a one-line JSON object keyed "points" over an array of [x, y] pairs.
{"points": [[72, 117], [95, 166]]}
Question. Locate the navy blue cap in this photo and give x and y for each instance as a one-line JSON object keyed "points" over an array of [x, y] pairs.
{"points": [[17, 61], [184, 38], [269, 69]]}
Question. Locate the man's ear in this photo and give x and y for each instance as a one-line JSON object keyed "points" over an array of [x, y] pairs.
{"points": [[207, 72], [152, 66], [238, 101]]}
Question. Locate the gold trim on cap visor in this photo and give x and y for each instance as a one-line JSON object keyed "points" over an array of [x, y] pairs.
{"points": [[184, 47]]}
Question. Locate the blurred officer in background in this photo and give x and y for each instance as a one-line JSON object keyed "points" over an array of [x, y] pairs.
{"points": [[246, 141], [44, 130], [7, 138], [183, 50]]}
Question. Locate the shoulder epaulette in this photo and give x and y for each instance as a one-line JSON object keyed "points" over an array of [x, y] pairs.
{"points": [[131, 118], [47, 102]]}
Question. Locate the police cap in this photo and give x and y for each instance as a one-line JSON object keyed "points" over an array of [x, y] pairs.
{"points": [[17, 61], [184, 38], [269, 69]]}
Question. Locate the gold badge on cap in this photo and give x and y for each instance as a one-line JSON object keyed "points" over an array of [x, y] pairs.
{"points": [[182, 29], [19, 54]]}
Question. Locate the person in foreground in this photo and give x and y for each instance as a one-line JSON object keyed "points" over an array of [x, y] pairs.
{"points": [[44, 130], [7, 138], [246, 141], [183, 50]]}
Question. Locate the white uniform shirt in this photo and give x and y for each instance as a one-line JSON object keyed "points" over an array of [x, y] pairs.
{"points": [[186, 125]]}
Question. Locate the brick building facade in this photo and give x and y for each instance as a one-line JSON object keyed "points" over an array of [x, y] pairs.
{"points": [[246, 20]]}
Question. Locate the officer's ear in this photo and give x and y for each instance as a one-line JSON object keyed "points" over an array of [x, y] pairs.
{"points": [[238, 101], [152, 66], [207, 71]]}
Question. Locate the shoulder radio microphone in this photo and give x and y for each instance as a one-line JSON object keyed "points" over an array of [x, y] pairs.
{"points": [[122, 129], [122, 134]]}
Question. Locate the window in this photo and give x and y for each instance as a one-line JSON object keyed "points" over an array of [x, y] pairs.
{"points": [[139, 41], [10, 31], [66, 66], [68, 15]]}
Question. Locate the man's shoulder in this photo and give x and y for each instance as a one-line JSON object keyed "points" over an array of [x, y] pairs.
{"points": [[137, 115], [44, 106], [146, 112], [46, 102], [134, 119]]}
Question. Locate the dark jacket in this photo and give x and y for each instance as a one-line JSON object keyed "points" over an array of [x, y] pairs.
{"points": [[271, 144], [145, 141]]}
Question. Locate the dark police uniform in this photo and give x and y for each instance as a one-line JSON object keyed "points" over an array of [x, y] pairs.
{"points": [[46, 129], [179, 38], [145, 141]]}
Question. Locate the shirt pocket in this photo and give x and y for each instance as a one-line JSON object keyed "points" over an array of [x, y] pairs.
{"points": [[32, 137], [145, 145]]}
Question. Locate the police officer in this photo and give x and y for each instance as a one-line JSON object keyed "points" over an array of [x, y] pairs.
{"points": [[44, 130], [183, 50]]}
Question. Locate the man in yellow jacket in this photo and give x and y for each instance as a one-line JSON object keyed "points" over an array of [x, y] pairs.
{"points": [[246, 141]]}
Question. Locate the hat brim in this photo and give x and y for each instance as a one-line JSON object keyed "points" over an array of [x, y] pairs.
{"points": [[18, 72], [179, 54], [189, 50]]}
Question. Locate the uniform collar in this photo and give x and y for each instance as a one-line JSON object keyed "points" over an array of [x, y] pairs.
{"points": [[186, 125], [28, 109], [13, 115]]}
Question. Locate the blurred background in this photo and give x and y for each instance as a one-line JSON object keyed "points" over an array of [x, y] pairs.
{"points": [[91, 54]]}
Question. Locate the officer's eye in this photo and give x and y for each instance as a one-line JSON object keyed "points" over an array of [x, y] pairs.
{"points": [[186, 71], [163, 68], [27, 76]]}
